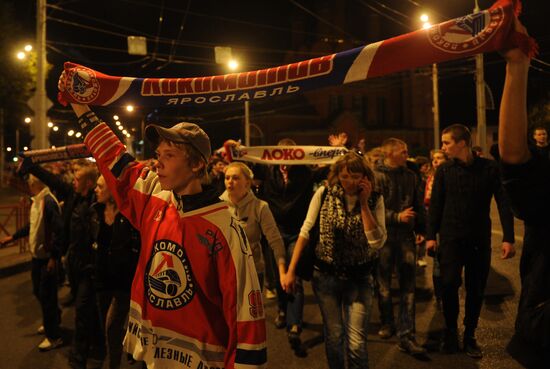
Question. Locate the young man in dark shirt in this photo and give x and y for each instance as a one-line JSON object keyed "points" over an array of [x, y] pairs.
{"points": [[460, 213]]}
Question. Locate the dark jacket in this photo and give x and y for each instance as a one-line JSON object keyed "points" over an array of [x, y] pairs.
{"points": [[288, 203], [401, 190], [77, 215], [116, 251], [461, 201]]}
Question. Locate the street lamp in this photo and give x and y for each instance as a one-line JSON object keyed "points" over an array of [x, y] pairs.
{"points": [[27, 120], [115, 117], [28, 48], [21, 55], [130, 108], [70, 133], [50, 124], [233, 64], [55, 128], [435, 88]]}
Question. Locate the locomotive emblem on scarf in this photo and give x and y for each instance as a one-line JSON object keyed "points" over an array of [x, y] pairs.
{"points": [[83, 84], [466, 33], [168, 278]]}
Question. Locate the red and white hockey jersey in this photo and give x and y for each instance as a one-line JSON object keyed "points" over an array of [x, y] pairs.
{"points": [[196, 301]]}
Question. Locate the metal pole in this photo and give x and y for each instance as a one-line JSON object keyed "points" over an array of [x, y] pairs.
{"points": [[2, 154], [246, 123], [435, 92], [39, 127], [480, 99], [16, 141]]}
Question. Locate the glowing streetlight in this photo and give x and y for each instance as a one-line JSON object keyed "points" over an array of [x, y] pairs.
{"points": [[25, 148], [128, 135], [27, 120], [124, 132], [50, 124], [78, 134], [55, 128], [70, 133], [118, 123], [8, 149], [120, 128], [21, 55], [424, 19], [15, 159], [28, 48], [130, 108], [115, 117], [233, 64]]}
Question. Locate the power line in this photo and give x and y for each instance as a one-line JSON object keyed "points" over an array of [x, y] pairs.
{"points": [[195, 44], [230, 20], [88, 61], [407, 27], [542, 62], [387, 7], [322, 20]]}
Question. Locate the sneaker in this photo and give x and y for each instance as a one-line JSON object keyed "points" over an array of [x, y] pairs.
{"points": [[386, 331], [471, 348], [280, 320], [421, 263], [449, 343], [294, 337], [409, 345], [270, 294], [47, 344], [41, 330]]}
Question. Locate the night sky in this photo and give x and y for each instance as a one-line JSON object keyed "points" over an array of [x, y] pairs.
{"points": [[93, 33]]}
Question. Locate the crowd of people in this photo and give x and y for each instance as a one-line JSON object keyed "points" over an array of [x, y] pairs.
{"points": [[178, 251]]}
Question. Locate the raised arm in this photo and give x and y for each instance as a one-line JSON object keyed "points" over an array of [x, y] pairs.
{"points": [[512, 133]]}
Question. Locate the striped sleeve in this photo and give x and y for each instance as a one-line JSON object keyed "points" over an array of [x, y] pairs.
{"points": [[130, 182]]}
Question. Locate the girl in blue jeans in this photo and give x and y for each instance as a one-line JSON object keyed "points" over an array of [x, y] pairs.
{"points": [[350, 218]]}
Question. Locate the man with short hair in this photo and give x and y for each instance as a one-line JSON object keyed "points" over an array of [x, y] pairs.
{"points": [[540, 136], [460, 212], [195, 299], [404, 217]]}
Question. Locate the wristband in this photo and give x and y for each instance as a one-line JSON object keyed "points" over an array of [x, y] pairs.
{"points": [[88, 121]]}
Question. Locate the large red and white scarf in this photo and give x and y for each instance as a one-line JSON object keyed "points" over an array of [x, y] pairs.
{"points": [[486, 31]]}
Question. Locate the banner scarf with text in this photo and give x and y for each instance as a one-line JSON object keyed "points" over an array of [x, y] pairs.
{"points": [[485, 31], [287, 155]]}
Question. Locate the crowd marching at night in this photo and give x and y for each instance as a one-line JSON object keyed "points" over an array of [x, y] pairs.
{"points": [[169, 260]]}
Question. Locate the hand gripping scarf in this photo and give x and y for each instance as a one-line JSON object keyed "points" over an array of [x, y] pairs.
{"points": [[485, 31]]}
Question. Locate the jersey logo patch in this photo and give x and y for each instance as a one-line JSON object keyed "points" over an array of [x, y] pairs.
{"points": [[168, 278]]}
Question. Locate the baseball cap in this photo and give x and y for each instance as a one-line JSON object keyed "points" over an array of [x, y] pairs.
{"points": [[183, 132]]}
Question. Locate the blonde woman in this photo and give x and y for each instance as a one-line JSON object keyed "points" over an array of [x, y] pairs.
{"points": [[254, 215]]}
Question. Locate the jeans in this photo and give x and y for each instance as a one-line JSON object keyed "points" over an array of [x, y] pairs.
{"points": [[345, 307], [44, 287], [292, 305], [402, 255], [113, 308]]}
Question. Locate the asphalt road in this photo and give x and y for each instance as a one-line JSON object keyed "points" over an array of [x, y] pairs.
{"points": [[20, 317]]}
